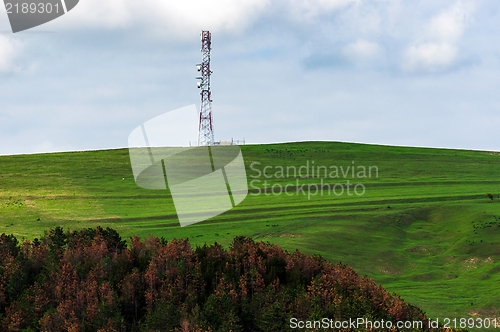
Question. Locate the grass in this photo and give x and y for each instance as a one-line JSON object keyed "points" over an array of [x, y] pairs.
{"points": [[424, 228]]}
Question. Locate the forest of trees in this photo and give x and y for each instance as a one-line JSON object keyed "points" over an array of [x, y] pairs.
{"points": [[92, 280]]}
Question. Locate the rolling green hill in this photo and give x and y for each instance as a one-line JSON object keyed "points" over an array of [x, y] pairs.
{"points": [[421, 223]]}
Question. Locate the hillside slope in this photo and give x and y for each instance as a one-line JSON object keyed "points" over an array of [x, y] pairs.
{"points": [[424, 226]]}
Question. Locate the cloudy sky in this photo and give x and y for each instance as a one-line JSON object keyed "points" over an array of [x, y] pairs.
{"points": [[418, 73]]}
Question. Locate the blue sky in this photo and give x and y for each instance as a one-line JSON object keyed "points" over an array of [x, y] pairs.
{"points": [[418, 73]]}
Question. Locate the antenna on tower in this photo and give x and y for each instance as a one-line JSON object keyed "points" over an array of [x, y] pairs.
{"points": [[206, 132]]}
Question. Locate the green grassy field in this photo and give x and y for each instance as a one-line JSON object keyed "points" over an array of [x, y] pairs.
{"points": [[424, 227]]}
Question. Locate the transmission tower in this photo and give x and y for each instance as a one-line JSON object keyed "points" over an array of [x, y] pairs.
{"points": [[206, 132]]}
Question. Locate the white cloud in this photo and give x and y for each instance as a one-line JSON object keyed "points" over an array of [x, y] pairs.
{"points": [[179, 19], [310, 9], [438, 46], [194, 15], [94, 14], [9, 50], [432, 56], [362, 51], [450, 25], [175, 18]]}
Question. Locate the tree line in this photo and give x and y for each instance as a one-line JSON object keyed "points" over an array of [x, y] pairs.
{"points": [[92, 280]]}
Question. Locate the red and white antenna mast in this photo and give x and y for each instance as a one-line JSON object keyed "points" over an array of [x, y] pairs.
{"points": [[206, 132]]}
